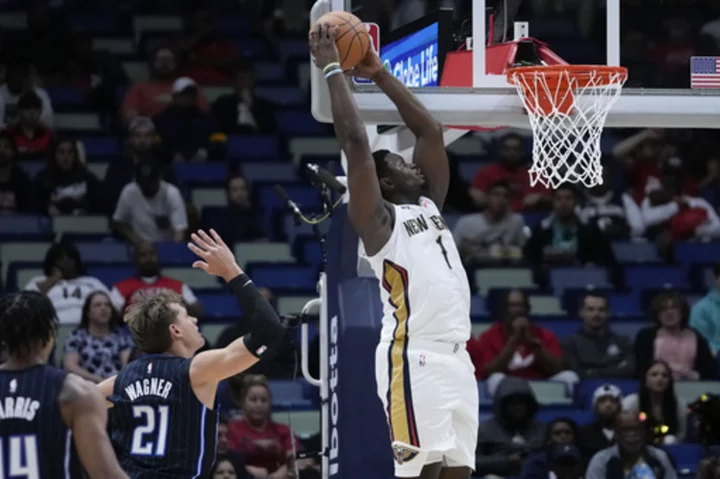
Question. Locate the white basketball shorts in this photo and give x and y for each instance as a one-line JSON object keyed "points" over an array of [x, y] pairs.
{"points": [[430, 398]]}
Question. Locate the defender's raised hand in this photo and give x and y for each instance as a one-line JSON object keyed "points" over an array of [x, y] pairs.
{"points": [[217, 259], [322, 45]]}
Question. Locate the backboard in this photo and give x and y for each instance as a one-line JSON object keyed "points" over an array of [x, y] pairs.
{"points": [[600, 32]]}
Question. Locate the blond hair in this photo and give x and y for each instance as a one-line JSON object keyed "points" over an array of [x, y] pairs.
{"points": [[149, 321]]}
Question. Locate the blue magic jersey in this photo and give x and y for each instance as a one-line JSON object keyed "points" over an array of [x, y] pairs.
{"points": [[159, 427], [35, 442]]}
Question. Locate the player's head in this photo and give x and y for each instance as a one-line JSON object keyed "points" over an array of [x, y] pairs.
{"points": [[161, 324], [399, 181], [256, 399], [28, 325], [147, 260], [65, 258]]}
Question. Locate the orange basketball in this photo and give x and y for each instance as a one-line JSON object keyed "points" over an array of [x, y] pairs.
{"points": [[352, 38]]}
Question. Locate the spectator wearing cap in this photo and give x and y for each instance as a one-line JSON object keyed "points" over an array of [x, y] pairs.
{"points": [[243, 112], [15, 186], [705, 314], [141, 144], [595, 351], [600, 433], [18, 82], [561, 439], [632, 457], [149, 98], [150, 209], [32, 137], [183, 126]]}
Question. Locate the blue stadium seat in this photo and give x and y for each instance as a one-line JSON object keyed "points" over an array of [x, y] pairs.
{"points": [[468, 169], [104, 252], [304, 196], [32, 168], [101, 147], [219, 305], [561, 328], [477, 305], [253, 147], [289, 394], [629, 326], [635, 252], [253, 48], [175, 254], [299, 123], [268, 72], [624, 304], [565, 278], [64, 96], [232, 25], [279, 276], [269, 171], [696, 252], [580, 416], [110, 275], [310, 251], [201, 173], [28, 226], [95, 22], [293, 48], [588, 387], [282, 96], [640, 277], [686, 456]]}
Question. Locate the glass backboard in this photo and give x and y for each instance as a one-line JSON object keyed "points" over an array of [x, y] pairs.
{"points": [[654, 40]]}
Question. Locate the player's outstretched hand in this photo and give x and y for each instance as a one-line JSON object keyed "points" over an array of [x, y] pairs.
{"points": [[322, 45], [369, 67], [217, 259]]}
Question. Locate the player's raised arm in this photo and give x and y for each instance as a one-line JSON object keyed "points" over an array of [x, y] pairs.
{"points": [[370, 216], [260, 318], [429, 153], [84, 411]]}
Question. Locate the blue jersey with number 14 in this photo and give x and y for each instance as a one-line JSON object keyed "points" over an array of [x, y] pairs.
{"points": [[159, 427]]}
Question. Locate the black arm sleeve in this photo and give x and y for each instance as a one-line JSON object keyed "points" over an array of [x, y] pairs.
{"points": [[265, 330]]}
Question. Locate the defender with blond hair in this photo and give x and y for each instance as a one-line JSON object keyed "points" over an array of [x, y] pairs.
{"points": [[164, 418]]}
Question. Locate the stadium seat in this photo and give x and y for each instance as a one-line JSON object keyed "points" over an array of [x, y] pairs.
{"points": [[253, 147], [287, 305], [656, 277], [194, 278], [81, 224], [566, 278], [550, 413], [269, 171], [697, 252], [281, 276], [262, 252], [303, 423], [208, 197], [288, 395], [28, 251], [110, 275], [28, 226], [551, 392], [636, 252], [689, 391], [685, 456], [477, 306], [171, 253], [545, 305], [104, 252], [201, 173], [219, 304], [488, 278]]}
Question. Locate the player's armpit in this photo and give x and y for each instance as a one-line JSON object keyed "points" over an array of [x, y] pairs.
{"points": [[106, 389], [84, 411], [217, 364]]}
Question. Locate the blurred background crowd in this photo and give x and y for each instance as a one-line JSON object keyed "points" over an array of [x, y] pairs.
{"points": [[596, 313]]}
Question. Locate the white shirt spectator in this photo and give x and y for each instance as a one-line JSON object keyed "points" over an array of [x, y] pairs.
{"points": [[608, 208], [142, 213], [8, 102], [68, 296], [655, 215]]}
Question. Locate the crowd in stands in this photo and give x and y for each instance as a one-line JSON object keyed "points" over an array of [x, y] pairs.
{"points": [[602, 286]]}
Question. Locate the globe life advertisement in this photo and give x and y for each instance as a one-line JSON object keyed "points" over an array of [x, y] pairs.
{"points": [[413, 59]]}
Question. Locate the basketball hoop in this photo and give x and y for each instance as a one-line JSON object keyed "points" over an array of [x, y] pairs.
{"points": [[567, 106]]}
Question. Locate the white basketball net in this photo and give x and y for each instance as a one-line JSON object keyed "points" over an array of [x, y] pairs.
{"points": [[566, 146]]}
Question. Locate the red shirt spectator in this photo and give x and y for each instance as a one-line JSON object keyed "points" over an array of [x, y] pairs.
{"points": [[266, 445], [644, 177], [210, 56], [31, 136]]}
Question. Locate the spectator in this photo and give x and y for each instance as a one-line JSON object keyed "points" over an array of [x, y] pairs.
{"points": [[709, 468], [672, 54], [563, 239], [150, 209], [234, 459], [15, 185], [511, 169], [496, 234], [183, 126], [148, 281], [19, 82], [595, 351], [65, 282], [45, 43], [600, 434], [673, 341], [31, 136], [240, 221], [631, 457], [266, 445], [516, 347], [141, 145], [66, 186], [561, 431], [209, 57], [242, 111], [151, 97], [100, 346], [512, 433], [705, 314], [667, 211], [615, 214], [665, 415]]}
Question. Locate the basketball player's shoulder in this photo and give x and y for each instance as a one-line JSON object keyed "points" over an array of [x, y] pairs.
{"points": [[77, 391]]}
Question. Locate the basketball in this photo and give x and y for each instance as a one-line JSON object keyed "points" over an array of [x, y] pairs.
{"points": [[352, 38]]}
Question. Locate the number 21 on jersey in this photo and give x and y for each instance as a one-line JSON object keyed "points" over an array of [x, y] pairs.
{"points": [[19, 457], [150, 439]]}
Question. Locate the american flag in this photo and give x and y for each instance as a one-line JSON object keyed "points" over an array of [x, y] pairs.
{"points": [[705, 72]]}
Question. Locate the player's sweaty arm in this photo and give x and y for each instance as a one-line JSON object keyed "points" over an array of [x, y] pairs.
{"points": [[370, 216], [84, 411], [429, 153], [266, 331]]}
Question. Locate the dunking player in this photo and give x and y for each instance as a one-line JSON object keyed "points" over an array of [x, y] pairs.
{"points": [[424, 375], [47, 417], [164, 418]]}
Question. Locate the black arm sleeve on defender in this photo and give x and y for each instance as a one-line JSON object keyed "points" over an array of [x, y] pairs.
{"points": [[266, 332]]}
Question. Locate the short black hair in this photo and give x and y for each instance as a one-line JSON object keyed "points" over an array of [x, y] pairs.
{"points": [[57, 251], [26, 319], [29, 101], [566, 187], [381, 165], [594, 294], [500, 184], [512, 136]]}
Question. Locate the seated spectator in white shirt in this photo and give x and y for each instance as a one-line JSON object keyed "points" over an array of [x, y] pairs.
{"points": [[150, 209], [615, 214], [496, 234], [19, 81], [65, 282]]}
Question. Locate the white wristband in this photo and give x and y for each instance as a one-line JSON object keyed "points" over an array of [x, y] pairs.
{"points": [[333, 72]]}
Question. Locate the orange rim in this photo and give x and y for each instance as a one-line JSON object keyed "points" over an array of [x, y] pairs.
{"points": [[559, 79]]}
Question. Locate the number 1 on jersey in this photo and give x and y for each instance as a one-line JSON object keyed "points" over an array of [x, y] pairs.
{"points": [[444, 251]]}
